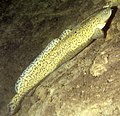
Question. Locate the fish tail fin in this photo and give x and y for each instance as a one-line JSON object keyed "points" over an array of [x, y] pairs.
{"points": [[14, 105]]}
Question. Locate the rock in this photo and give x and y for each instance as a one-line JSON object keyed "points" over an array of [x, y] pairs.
{"points": [[72, 91], [78, 87]]}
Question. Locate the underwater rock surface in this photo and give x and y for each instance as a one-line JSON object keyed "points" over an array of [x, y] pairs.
{"points": [[87, 84]]}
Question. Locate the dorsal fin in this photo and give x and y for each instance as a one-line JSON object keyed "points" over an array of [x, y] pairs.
{"points": [[51, 45], [65, 33], [21, 79]]}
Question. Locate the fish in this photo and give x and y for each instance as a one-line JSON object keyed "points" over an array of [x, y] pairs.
{"points": [[57, 52]]}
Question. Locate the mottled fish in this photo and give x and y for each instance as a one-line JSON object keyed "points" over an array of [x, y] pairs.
{"points": [[57, 52]]}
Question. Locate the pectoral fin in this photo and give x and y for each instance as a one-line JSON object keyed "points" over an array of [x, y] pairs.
{"points": [[98, 33]]}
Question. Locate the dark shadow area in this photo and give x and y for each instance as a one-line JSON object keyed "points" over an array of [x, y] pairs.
{"points": [[107, 26], [4, 5]]}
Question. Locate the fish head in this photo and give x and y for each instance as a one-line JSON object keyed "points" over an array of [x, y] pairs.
{"points": [[102, 17]]}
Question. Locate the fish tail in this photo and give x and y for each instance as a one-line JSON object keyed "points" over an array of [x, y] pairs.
{"points": [[14, 105]]}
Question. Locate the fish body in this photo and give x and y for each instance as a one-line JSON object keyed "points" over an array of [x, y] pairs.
{"points": [[58, 51]]}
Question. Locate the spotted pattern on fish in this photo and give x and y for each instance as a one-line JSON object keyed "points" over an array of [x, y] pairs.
{"points": [[58, 51]]}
